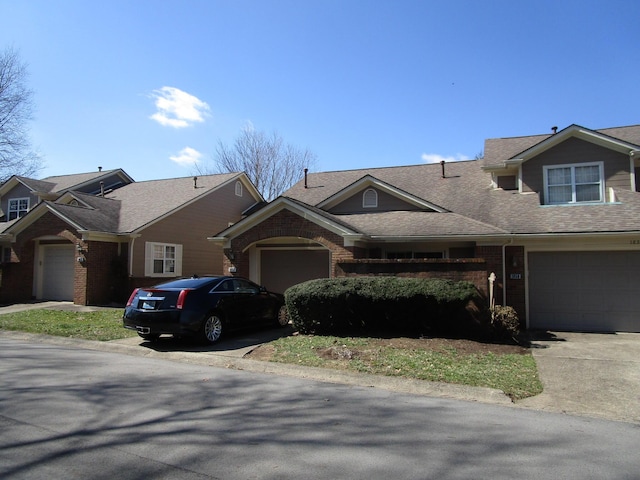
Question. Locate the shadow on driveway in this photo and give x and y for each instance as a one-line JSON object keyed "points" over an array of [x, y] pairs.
{"points": [[237, 343]]}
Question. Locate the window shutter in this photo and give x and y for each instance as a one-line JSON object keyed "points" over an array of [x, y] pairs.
{"points": [[179, 260], [148, 259]]}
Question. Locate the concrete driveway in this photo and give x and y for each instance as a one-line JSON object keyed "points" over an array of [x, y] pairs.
{"points": [[588, 374]]}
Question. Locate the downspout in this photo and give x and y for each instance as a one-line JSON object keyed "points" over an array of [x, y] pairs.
{"points": [[133, 241], [632, 170], [504, 271]]}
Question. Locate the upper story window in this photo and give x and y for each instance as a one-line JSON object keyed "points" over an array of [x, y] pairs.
{"points": [[18, 207], [239, 189], [574, 183], [370, 198]]}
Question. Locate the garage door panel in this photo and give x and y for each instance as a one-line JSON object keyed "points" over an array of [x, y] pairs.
{"points": [[589, 291], [57, 272], [281, 269]]}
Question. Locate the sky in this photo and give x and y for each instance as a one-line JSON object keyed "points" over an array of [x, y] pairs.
{"points": [[153, 87]]}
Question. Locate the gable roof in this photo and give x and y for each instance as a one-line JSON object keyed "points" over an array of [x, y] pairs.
{"points": [[62, 183], [316, 215], [499, 152], [30, 183], [424, 182], [131, 207], [367, 181], [146, 202], [466, 192]]}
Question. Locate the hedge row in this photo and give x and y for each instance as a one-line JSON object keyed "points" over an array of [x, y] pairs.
{"points": [[359, 304]]}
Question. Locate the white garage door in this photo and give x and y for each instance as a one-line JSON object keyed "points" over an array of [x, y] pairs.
{"points": [[280, 269], [585, 291], [57, 272]]}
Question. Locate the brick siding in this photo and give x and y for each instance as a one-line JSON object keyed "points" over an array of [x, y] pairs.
{"points": [[472, 270]]}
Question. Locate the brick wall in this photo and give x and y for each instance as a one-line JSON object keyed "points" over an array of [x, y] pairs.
{"points": [[492, 255], [95, 280], [102, 284], [284, 224], [471, 270], [18, 278]]}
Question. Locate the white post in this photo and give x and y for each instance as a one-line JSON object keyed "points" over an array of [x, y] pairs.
{"points": [[492, 300]]}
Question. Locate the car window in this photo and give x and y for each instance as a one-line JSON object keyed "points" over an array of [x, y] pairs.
{"points": [[226, 286], [189, 282], [243, 286]]}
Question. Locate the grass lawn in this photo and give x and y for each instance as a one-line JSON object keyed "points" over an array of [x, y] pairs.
{"points": [[102, 325], [510, 368]]}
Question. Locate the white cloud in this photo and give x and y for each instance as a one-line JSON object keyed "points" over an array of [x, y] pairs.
{"points": [[186, 157], [435, 158], [178, 109]]}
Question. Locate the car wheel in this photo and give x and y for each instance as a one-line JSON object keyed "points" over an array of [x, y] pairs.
{"points": [[212, 328], [283, 316], [150, 337]]}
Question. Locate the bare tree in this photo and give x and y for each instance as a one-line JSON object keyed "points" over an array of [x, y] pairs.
{"points": [[270, 163], [16, 110]]}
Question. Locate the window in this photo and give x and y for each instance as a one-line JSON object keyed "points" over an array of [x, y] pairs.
{"points": [[574, 183], [414, 255], [238, 189], [18, 207], [370, 198], [163, 260]]}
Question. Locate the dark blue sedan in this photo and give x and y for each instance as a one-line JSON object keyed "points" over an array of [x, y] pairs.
{"points": [[202, 307]]}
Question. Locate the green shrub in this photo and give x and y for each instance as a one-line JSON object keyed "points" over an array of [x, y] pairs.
{"points": [[358, 304]]}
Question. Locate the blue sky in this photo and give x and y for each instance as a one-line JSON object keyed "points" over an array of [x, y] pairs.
{"points": [[152, 86]]}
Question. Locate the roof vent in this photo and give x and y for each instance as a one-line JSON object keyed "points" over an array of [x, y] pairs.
{"points": [[99, 169], [306, 171], [555, 130], [442, 165], [195, 182], [102, 189]]}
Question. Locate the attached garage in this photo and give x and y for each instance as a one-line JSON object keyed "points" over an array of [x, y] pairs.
{"points": [[584, 291], [281, 269], [57, 270]]}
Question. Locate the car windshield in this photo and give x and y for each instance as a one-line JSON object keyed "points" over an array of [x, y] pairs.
{"points": [[189, 283]]}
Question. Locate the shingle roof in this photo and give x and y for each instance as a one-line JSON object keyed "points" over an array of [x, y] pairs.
{"points": [[497, 150], [133, 206], [37, 185], [418, 224], [60, 183], [101, 214], [424, 181], [480, 209], [144, 202]]}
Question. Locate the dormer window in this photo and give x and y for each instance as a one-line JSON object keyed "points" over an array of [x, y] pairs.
{"points": [[18, 207], [370, 198], [578, 183]]}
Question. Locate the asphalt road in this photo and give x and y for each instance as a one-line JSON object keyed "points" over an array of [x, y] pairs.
{"points": [[68, 412]]}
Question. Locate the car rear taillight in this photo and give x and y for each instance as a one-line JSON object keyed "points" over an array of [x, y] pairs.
{"points": [[181, 298], [133, 294]]}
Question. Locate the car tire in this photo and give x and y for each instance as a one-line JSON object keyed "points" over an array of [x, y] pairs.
{"points": [[150, 337], [282, 319], [212, 328]]}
